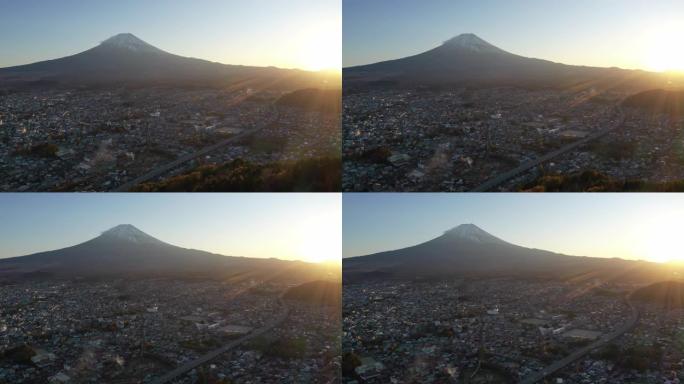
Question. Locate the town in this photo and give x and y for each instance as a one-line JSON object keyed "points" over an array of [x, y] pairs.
{"points": [[137, 331], [101, 139], [458, 140], [506, 330]]}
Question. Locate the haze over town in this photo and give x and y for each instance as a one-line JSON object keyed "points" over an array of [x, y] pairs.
{"points": [[516, 297], [223, 288]]}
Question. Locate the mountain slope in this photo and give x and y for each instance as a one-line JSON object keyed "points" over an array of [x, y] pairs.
{"points": [[469, 251], [122, 249], [467, 60], [667, 294], [125, 251], [658, 101], [126, 59]]}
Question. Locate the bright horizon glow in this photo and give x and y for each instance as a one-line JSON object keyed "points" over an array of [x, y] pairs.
{"points": [[664, 54], [630, 34], [628, 226], [662, 242], [318, 235], [318, 52], [296, 34], [289, 226]]}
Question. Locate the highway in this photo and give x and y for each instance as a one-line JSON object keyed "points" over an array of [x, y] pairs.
{"points": [[183, 369], [560, 364], [526, 166], [184, 159]]}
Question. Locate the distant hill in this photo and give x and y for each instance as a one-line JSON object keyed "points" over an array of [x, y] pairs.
{"points": [[126, 59], [467, 60], [468, 251], [658, 101], [668, 294], [125, 251], [313, 99], [319, 292]]}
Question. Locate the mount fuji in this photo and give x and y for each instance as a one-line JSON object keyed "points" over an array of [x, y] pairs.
{"points": [[467, 250], [126, 251], [468, 60], [130, 42], [126, 59]]}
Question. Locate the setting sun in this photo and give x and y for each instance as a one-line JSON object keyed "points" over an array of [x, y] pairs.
{"points": [[321, 49], [664, 49], [320, 240], [316, 249], [662, 241]]}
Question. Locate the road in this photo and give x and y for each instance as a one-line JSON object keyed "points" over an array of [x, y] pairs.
{"points": [[187, 367], [184, 159], [560, 364], [526, 166]]}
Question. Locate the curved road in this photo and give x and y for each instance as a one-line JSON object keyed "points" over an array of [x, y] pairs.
{"points": [[183, 369], [526, 166], [560, 364]]}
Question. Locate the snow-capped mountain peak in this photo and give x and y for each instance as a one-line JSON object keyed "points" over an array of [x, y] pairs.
{"points": [[472, 232], [128, 41], [128, 233], [471, 42]]}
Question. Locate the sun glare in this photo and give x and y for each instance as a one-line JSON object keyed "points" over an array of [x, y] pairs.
{"points": [[321, 50], [315, 250], [320, 241], [662, 242], [665, 53]]}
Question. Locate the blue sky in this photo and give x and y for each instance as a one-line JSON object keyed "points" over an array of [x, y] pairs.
{"points": [[310, 226], [630, 226], [293, 33], [287, 226], [625, 33]]}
